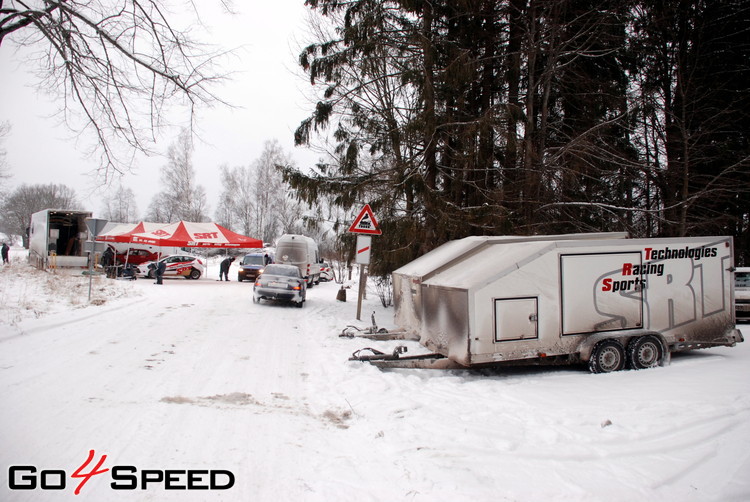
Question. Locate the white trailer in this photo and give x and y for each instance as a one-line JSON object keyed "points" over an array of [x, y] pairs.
{"points": [[56, 238], [600, 299]]}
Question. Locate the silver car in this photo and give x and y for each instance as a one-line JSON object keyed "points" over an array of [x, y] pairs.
{"points": [[280, 282]]}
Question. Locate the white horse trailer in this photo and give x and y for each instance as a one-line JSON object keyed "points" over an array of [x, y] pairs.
{"points": [[600, 299]]}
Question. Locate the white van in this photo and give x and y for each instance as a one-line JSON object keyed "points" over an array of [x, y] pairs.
{"points": [[302, 252]]}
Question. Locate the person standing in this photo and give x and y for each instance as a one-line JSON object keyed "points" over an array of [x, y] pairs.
{"points": [[160, 268], [5, 250], [224, 268], [106, 261]]}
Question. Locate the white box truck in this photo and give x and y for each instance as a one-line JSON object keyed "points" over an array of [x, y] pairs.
{"points": [[56, 238], [600, 299]]}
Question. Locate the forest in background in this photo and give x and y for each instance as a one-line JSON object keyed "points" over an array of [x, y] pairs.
{"points": [[451, 118], [481, 117]]}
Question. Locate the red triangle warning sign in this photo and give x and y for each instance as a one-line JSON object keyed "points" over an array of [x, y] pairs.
{"points": [[365, 223]]}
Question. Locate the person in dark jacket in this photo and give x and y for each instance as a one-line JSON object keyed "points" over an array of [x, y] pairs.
{"points": [[5, 253], [224, 268], [106, 261], [160, 268]]}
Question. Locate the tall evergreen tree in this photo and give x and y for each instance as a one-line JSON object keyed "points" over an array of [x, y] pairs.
{"points": [[529, 116], [695, 65]]}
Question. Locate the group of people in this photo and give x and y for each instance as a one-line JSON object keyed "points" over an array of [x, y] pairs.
{"points": [[107, 260]]}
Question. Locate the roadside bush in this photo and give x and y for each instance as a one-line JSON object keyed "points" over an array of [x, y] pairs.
{"points": [[384, 288]]}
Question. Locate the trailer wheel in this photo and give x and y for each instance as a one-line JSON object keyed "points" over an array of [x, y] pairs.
{"points": [[645, 352], [607, 356]]}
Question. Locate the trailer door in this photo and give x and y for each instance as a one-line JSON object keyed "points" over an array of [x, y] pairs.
{"points": [[515, 319], [601, 292]]}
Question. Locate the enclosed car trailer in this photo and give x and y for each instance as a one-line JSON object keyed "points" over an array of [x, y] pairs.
{"points": [[600, 299]]}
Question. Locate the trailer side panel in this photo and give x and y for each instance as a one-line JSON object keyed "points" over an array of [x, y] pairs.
{"points": [[598, 294]]}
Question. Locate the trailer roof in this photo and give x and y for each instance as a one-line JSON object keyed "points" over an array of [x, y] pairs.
{"points": [[439, 256], [450, 254], [488, 264]]}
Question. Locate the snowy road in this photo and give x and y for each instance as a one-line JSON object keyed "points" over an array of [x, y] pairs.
{"points": [[193, 376]]}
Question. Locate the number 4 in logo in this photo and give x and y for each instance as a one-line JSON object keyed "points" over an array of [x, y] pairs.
{"points": [[85, 476]]}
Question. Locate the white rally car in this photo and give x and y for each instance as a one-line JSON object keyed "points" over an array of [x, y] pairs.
{"points": [[186, 266]]}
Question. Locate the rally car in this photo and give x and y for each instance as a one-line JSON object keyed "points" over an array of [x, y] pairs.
{"points": [[135, 256], [186, 266]]}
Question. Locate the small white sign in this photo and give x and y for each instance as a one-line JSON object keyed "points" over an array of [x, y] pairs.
{"points": [[363, 249]]}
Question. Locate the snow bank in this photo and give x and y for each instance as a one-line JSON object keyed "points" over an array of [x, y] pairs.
{"points": [[192, 375]]}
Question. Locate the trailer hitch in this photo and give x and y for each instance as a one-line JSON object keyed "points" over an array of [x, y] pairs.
{"points": [[395, 360], [352, 331], [377, 355]]}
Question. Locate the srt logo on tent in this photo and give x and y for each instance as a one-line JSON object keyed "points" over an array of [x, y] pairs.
{"points": [[124, 477], [207, 235]]}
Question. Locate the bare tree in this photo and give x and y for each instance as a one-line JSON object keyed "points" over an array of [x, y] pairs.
{"points": [[4, 168], [180, 197], [161, 210], [113, 65], [120, 206], [255, 200], [269, 191], [237, 202], [223, 214], [28, 199]]}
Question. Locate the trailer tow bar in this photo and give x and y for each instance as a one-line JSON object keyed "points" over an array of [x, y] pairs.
{"points": [[377, 355], [395, 359], [374, 332]]}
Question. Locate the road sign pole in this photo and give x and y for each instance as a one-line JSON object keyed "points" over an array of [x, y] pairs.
{"points": [[365, 223], [362, 283], [95, 226], [363, 258]]}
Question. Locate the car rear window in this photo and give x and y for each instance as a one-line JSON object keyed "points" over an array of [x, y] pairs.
{"points": [[285, 271], [292, 252]]}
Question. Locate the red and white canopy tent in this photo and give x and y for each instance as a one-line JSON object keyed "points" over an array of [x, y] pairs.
{"points": [[123, 231], [194, 235]]}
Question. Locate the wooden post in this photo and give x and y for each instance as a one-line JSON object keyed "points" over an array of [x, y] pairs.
{"points": [[362, 283]]}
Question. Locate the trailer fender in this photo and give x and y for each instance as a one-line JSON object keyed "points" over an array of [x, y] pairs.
{"points": [[586, 347]]}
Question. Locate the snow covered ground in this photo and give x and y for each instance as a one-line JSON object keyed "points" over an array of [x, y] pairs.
{"points": [[191, 375]]}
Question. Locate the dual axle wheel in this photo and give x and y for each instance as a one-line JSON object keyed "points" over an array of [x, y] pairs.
{"points": [[642, 352]]}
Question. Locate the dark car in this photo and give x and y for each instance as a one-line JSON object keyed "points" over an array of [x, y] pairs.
{"points": [[280, 282], [252, 266]]}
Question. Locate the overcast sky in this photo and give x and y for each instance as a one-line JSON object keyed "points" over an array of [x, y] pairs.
{"points": [[270, 97]]}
